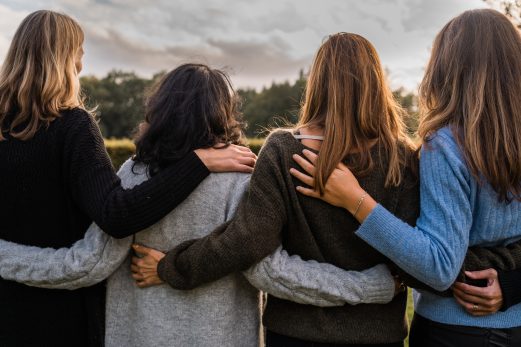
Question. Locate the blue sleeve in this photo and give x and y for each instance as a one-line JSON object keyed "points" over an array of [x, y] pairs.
{"points": [[434, 250]]}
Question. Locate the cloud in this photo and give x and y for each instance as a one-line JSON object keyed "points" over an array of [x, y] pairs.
{"points": [[259, 40]]}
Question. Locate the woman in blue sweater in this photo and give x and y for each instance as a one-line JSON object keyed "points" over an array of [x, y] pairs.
{"points": [[470, 183]]}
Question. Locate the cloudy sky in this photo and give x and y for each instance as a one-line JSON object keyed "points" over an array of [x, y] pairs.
{"points": [[256, 41]]}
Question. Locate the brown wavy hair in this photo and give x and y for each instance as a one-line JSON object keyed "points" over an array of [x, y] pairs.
{"points": [[38, 78], [473, 84], [347, 95]]}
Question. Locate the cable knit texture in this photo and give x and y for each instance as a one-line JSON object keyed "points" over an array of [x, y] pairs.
{"points": [[53, 186], [97, 256], [456, 212], [273, 213]]}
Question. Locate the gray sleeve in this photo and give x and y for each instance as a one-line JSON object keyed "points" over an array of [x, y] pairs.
{"points": [[320, 284], [87, 262]]}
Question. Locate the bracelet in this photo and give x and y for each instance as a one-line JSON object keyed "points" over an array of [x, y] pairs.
{"points": [[360, 201]]}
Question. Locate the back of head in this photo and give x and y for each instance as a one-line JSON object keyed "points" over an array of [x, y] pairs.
{"points": [[38, 77], [192, 107], [472, 84], [347, 95]]}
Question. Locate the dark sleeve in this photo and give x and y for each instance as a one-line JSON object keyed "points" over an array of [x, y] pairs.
{"points": [[506, 260], [249, 237], [97, 189], [510, 282]]}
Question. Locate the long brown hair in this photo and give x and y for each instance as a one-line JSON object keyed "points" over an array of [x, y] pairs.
{"points": [[38, 77], [347, 95], [473, 84]]}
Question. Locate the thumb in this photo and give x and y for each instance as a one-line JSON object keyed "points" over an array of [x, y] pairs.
{"points": [[489, 274], [142, 250]]}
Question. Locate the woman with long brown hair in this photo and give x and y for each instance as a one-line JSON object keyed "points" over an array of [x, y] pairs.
{"points": [[350, 114], [57, 178], [470, 174]]}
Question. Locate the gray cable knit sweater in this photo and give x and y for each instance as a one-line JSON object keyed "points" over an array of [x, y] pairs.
{"points": [[223, 313]]}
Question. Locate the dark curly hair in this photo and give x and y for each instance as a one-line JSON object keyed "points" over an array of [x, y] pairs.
{"points": [[191, 107]]}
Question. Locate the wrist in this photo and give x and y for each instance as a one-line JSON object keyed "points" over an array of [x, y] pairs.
{"points": [[361, 205]]}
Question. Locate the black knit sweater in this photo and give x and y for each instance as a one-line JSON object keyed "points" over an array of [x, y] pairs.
{"points": [[53, 186]]}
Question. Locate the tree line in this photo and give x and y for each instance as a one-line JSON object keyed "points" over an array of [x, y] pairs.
{"points": [[119, 99]]}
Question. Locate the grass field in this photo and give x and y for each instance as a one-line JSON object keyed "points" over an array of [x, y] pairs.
{"points": [[410, 312]]}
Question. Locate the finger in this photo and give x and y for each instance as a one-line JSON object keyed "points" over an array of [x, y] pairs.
{"points": [[308, 192], [306, 165], [134, 268], [302, 177], [469, 307], [242, 168], [247, 161], [482, 292], [489, 274], [481, 302], [137, 261], [142, 284], [138, 276], [343, 167], [244, 149], [312, 157], [249, 155], [140, 249]]}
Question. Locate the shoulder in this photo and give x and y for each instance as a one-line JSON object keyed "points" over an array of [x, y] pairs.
{"points": [[441, 152], [278, 142], [132, 173], [228, 181], [76, 116], [78, 123], [444, 142]]}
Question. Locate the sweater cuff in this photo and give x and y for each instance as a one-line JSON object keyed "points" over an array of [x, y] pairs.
{"points": [[380, 290], [510, 282], [167, 269]]}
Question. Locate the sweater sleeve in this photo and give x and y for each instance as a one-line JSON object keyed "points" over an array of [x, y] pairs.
{"points": [[510, 282], [97, 189], [434, 250], [87, 262], [320, 284], [506, 260], [250, 236]]}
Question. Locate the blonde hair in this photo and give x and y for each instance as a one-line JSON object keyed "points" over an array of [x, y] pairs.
{"points": [[38, 78], [347, 95], [472, 84]]}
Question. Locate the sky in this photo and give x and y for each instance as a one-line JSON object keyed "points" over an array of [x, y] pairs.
{"points": [[256, 41]]}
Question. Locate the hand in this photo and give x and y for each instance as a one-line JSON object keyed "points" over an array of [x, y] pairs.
{"points": [[342, 188], [479, 301], [144, 269], [399, 286], [232, 158]]}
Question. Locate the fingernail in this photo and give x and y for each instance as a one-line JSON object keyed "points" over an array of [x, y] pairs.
{"points": [[299, 188]]}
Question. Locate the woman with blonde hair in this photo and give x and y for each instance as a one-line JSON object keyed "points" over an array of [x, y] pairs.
{"points": [[470, 176], [57, 178], [350, 114]]}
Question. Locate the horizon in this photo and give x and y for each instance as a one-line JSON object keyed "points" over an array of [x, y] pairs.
{"points": [[257, 43]]}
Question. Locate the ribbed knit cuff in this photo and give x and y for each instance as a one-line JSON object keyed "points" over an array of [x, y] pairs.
{"points": [[167, 270], [510, 282], [380, 290]]}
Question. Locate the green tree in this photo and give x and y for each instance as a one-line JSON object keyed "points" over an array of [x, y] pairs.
{"points": [[119, 98]]}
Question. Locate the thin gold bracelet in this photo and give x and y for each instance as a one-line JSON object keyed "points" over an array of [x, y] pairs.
{"points": [[360, 201]]}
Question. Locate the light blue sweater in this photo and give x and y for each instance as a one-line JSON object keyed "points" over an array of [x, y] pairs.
{"points": [[456, 212]]}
